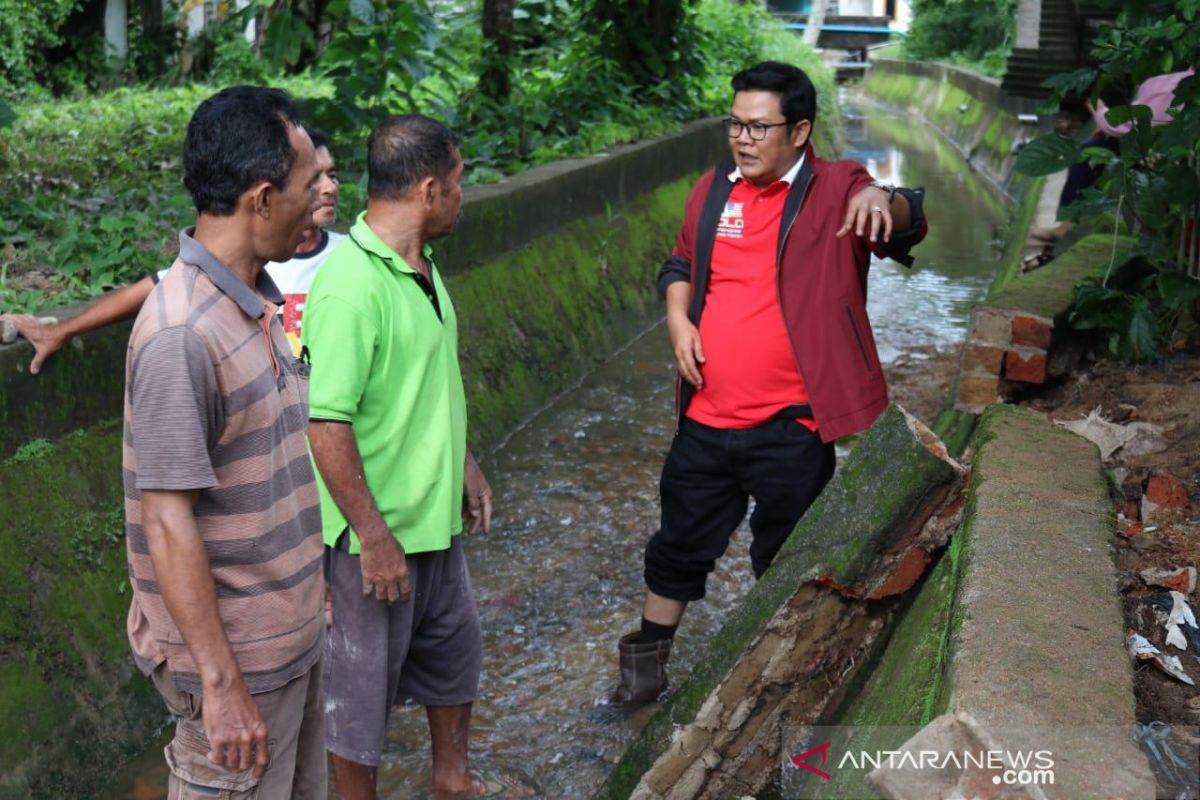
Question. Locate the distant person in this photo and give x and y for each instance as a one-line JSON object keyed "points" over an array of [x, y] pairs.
{"points": [[1158, 94], [293, 276], [221, 504], [388, 433], [766, 310]]}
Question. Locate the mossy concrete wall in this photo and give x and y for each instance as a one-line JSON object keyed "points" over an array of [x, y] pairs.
{"points": [[970, 109], [537, 310]]}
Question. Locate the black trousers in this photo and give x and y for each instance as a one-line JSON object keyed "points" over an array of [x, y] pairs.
{"points": [[708, 478]]}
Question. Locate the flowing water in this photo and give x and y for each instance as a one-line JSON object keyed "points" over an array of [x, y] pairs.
{"points": [[558, 579]]}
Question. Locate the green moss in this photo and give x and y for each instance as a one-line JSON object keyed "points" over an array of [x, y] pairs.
{"points": [[65, 669], [996, 138], [1047, 291], [28, 712], [1018, 230], [533, 321]]}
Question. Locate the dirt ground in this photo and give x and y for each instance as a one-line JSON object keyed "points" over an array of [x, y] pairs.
{"points": [[1165, 394], [919, 379]]}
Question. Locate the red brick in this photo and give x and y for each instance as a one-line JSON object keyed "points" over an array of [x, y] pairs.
{"points": [[1167, 491], [982, 357], [1025, 367], [905, 573], [977, 391], [1032, 332]]}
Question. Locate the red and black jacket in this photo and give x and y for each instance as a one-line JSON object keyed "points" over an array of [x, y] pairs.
{"points": [[821, 284]]}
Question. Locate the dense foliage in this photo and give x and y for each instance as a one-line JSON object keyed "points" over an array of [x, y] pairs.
{"points": [[1147, 188], [972, 33], [29, 28], [94, 186]]}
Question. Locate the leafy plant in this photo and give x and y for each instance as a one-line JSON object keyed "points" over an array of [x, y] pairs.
{"points": [[963, 32], [1148, 187], [28, 29], [1139, 304]]}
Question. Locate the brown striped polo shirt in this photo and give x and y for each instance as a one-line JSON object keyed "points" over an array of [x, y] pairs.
{"points": [[215, 402]]}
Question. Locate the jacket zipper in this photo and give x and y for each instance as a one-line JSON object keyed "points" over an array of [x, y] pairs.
{"points": [[862, 348], [779, 283]]}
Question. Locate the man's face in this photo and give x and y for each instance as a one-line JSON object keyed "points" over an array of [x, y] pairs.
{"points": [[447, 200], [766, 161], [328, 190], [291, 208]]}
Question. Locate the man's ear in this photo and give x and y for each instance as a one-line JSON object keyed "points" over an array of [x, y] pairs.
{"points": [[260, 197], [426, 188], [800, 133]]}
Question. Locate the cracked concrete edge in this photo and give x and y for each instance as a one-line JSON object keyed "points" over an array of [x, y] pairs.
{"points": [[1038, 646]]}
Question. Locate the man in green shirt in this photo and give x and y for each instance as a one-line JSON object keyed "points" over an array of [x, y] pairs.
{"points": [[388, 433]]}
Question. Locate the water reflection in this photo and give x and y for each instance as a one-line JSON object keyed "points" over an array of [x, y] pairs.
{"points": [[559, 578]]}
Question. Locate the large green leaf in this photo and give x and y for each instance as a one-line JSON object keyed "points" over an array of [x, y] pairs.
{"points": [[1066, 82], [1141, 331], [1048, 154], [1177, 289], [7, 115]]}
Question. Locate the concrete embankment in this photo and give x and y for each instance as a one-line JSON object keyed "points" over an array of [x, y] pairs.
{"points": [[550, 271], [1016, 625]]}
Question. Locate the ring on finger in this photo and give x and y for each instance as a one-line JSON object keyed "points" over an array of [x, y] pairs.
{"points": [[876, 210]]}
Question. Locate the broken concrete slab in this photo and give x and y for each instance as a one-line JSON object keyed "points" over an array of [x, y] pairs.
{"points": [[1040, 648]]}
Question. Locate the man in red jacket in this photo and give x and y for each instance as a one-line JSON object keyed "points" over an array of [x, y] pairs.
{"points": [[766, 309]]}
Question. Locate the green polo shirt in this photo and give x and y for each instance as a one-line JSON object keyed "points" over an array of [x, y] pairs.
{"points": [[383, 361]]}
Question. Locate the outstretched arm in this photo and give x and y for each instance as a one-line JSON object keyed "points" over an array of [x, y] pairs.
{"points": [[111, 307]]}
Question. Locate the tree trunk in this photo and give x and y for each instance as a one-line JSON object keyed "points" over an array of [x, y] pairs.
{"points": [[498, 42], [816, 18]]}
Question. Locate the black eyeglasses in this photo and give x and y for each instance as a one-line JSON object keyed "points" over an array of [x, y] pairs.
{"points": [[758, 130]]}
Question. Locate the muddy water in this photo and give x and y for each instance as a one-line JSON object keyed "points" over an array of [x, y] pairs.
{"points": [[559, 577]]}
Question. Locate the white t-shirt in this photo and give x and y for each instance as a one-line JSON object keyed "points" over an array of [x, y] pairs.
{"points": [[294, 277]]}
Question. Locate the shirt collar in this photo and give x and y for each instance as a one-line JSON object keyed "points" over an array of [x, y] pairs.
{"points": [[369, 240], [253, 304], [789, 177]]}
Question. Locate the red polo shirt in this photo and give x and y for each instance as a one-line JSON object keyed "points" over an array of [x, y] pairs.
{"points": [[750, 368]]}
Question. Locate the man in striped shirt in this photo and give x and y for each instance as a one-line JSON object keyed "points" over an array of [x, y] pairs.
{"points": [[222, 511]]}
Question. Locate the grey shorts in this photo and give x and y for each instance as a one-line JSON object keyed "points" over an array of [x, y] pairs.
{"points": [[426, 651]]}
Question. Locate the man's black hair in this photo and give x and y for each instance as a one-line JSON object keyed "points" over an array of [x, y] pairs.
{"points": [[319, 137], [403, 150], [797, 97], [236, 138]]}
